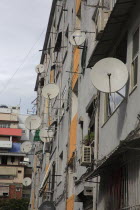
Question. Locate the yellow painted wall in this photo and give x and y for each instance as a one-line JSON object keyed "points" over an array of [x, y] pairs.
{"points": [[46, 106], [78, 4], [70, 203], [52, 76], [73, 135], [76, 60]]}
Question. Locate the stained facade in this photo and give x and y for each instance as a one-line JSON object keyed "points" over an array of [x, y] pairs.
{"points": [[92, 162]]}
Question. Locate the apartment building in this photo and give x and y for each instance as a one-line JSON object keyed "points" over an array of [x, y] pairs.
{"points": [[13, 168], [92, 161]]}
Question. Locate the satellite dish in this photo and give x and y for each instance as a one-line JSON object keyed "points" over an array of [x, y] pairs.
{"points": [[109, 75], [46, 134], [27, 181], [39, 68], [26, 147], [33, 122], [50, 91], [77, 38]]}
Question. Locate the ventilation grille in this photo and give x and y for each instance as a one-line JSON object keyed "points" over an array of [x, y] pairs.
{"points": [[86, 155]]}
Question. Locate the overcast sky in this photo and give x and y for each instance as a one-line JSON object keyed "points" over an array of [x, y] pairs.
{"points": [[21, 24]]}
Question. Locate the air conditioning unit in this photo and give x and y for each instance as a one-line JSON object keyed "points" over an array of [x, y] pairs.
{"points": [[88, 191], [86, 155], [6, 144], [25, 161]]}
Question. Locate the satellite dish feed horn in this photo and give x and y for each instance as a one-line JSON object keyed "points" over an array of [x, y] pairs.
{"points": [[109, 75]]}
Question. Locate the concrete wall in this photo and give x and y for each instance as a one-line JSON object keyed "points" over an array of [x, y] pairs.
{"points": [[124, 119]]}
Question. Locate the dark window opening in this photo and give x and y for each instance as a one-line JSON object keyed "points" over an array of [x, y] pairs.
{"points": [[42, 82], [135, 43], [58, 43], [12, 159], [121, 50], [4, 160], [84, 57], [91, 110], [49, 48]]}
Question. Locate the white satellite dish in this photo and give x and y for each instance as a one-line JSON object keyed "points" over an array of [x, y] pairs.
{"points": [[77, 38], [109, 75], [27, 181], [33, 122], [46, 134], [40, 68], [50, 91], [26, 147]]}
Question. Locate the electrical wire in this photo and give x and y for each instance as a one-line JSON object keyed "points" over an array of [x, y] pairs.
{"points": [[21, 65]]}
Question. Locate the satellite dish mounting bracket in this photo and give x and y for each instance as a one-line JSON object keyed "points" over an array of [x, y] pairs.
{"points": [[120, 95]]}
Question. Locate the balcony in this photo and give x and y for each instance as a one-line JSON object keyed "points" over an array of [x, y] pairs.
{"points": [[6, 144], [15, 154], [10, 132], [119, 16], [10, 117]]}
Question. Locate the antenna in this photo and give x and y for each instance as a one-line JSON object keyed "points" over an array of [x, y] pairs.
{"points": [[50, 91], [27, 181], [32, 122], [39, 69], [77, 38], [46, 134], [26, 147], [109, 75]]}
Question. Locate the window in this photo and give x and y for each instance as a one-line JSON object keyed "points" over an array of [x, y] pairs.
{"points": [[112, 101], [58, 43], [17, 189], [60, 167], [4, 160], [134, 64], [6, 177], [41, 82], [12, 159], [4, 125], [91, 110], [23, 131]]}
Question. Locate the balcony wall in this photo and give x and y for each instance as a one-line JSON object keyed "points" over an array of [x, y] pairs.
{"points": [[16, 174], [10, 132], [8, 117]]}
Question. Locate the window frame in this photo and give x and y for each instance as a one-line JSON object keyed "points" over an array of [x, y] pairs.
{"points": [[134, 58]]}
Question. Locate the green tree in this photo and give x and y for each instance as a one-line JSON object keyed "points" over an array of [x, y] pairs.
{"points": [[13, 204]]}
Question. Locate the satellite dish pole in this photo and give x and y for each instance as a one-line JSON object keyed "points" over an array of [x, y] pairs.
{"points": [[109, 78], [109, 75]]}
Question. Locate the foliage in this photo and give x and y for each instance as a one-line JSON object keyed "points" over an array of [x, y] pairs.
{"points": [[88, 138], [14, 204]]}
